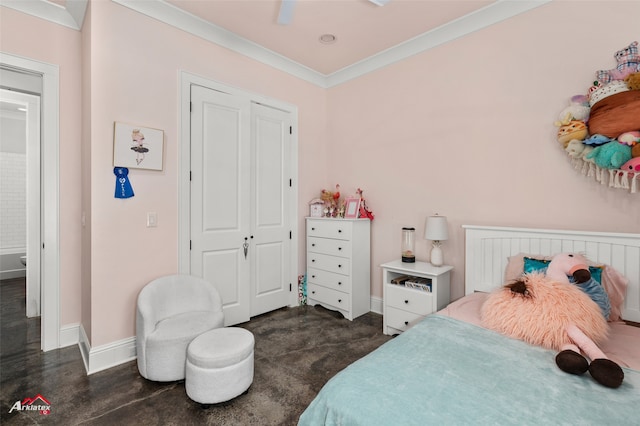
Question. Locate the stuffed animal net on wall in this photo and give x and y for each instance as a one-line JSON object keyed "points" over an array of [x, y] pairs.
{"points": [[600, 131]]}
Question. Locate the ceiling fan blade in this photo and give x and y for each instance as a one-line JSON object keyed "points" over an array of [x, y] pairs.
{"points": [[286, 12], [380, 2]]}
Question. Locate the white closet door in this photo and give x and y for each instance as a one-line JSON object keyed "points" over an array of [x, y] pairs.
{"points": [[270, 195], [220, 196]]}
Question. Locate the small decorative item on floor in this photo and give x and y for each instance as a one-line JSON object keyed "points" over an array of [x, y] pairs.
{"points": [[408, 245], [302, 289], [123, 186]]}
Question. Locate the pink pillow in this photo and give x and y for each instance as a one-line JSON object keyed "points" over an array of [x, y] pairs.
{"points": [[614, 283]]}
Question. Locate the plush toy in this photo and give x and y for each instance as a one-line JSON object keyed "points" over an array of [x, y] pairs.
{"points": [[575, 148], [578, 109], [595, 140], [629, 138], [555, 314], [574, 130], [633, 81], [611, 155], [628, 61], [632, 165]]}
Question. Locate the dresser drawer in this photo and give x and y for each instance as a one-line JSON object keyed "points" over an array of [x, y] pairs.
{"points": [[329, 279], [328, 296], [401, 320], [415, 301], [333, 247], [339, 265], [329, 229]]}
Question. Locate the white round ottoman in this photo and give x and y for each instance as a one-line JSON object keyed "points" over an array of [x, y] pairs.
{"points": [[219, 365]]}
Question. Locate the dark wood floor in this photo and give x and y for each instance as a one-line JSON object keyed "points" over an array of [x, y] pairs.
{"points": [[297, 351]]}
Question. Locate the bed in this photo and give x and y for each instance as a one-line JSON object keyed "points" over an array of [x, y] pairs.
{"points": [[447, 369]]}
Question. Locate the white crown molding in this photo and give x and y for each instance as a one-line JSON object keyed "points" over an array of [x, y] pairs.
{"points": [[489, 15], [171, 15], [477, 20], [71, 16]]}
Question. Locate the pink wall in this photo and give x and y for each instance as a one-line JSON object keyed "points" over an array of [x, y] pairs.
{"points": [[57, 45], [466, 130], [139, 83]]}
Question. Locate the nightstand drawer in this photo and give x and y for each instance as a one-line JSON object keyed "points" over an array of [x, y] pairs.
{"points": [[329, 229], [401, 320], [333, 247], [339, 265], [415, 301], [329, 279], [328, 296]]}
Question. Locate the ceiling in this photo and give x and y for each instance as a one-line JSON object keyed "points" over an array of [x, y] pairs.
{"points": [[368, 36], [362, 29]]}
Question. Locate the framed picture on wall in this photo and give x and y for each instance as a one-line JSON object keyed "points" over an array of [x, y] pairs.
{"points": [[137, 147], [352, 207]]}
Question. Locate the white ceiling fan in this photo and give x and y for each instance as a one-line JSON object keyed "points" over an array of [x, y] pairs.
{"points": [[286, 10]]}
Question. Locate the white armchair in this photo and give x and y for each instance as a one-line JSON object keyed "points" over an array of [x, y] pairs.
{"points": [[171, 312]]}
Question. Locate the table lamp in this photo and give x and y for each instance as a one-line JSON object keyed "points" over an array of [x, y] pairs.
{"points": [[436, 231]]}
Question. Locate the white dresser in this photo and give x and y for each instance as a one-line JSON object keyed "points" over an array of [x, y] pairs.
{"points": [[404, 306], [339, 265]]}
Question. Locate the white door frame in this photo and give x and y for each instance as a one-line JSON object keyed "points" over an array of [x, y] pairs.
{"points": [[186, 79], [50, 272]]}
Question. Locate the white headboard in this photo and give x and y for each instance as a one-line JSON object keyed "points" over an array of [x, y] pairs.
{"points": [[487, 249]]}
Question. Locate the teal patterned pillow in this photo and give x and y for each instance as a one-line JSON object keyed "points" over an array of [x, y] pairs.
{"points": [[540, 265]]}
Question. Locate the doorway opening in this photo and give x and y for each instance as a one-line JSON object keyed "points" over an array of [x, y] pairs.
{"points": [[12, 70]]}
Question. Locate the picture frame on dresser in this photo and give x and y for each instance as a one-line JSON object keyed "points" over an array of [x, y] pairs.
{"points": [[352, 208]]}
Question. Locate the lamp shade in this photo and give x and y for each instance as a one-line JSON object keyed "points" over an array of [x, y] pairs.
{"points": [[436, 228]]}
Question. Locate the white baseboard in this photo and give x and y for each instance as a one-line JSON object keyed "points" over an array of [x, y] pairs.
{"points": [[105, 356], [69, 335], [376, 305]]}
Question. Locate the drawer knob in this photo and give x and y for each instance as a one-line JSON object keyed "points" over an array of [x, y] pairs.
{"points": [[313, 260], [406, 323], [313, 292], [406, 301], [339, 231], [313, 276], [339, 266], [339, 300], [313, 244], [313, 229], [339, 248], [339, 282]]}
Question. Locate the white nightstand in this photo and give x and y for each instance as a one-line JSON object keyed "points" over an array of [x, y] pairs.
{"points": [[404, 306]]}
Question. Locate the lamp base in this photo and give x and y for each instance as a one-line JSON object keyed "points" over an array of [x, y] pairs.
{"points": [[437, 258]]}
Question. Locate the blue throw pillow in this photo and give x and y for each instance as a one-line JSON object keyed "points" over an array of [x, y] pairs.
{"points": [[540, 265]]}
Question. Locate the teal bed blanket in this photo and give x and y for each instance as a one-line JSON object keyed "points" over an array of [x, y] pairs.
{"points": [[447, 372]]}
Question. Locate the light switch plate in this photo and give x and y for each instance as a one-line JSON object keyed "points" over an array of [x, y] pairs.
{"points": [[152, 219]]}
